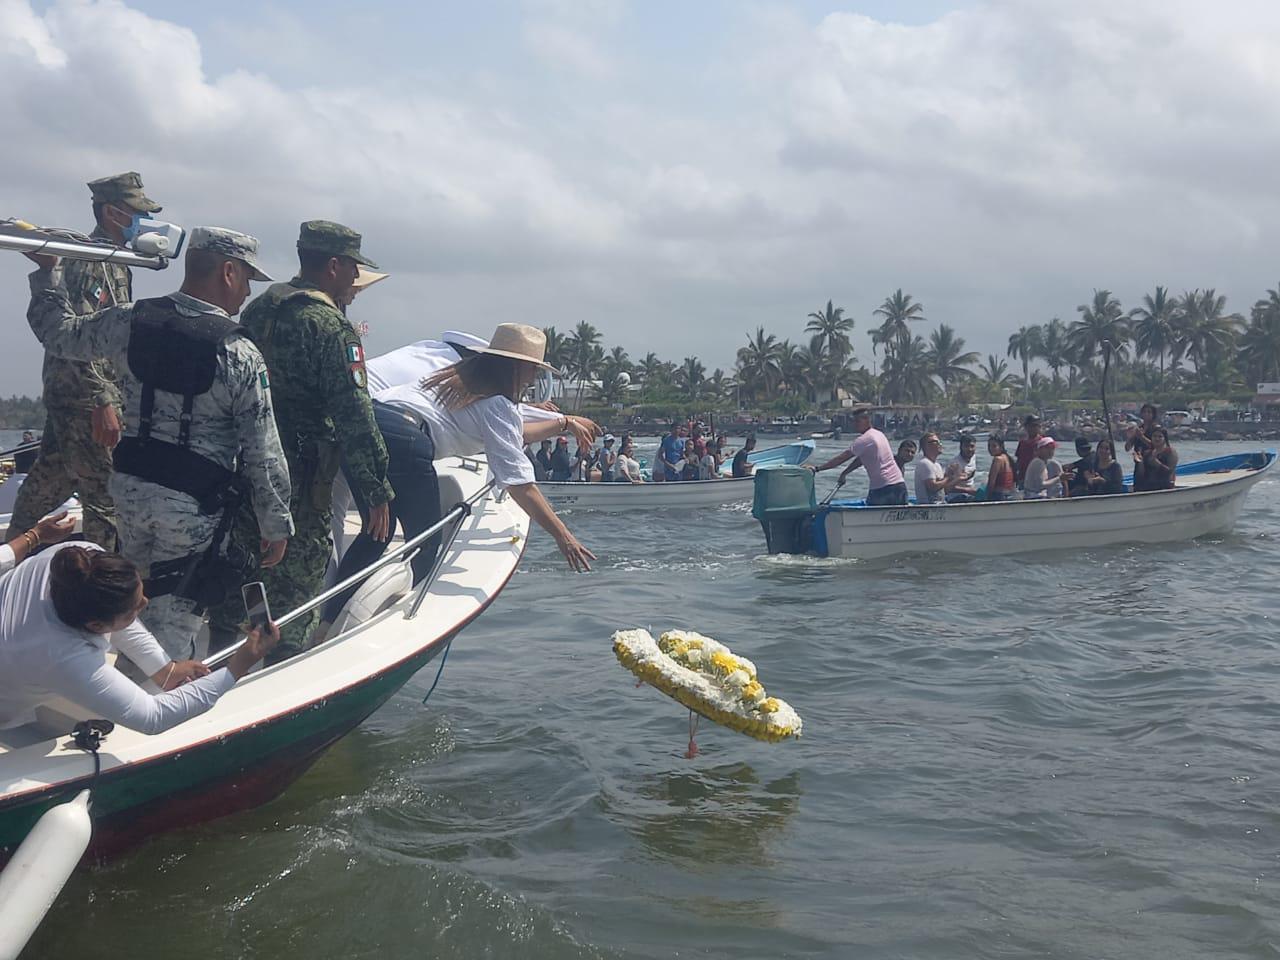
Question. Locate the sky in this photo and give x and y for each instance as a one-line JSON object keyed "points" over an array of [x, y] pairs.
{"points": [[675, 173]]}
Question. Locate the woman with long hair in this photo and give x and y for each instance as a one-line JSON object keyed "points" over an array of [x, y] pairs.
{"points": [[466, 408], [61, 611], [1000, 476]]}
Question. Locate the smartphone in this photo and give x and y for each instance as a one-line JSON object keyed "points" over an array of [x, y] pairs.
{"points": [[255, 604]]}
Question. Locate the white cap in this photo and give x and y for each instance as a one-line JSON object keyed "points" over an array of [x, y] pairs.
{"points": [[469, 341], [608, 437]]}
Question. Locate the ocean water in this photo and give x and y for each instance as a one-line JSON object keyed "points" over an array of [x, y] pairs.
{"points": [[1069, 755]]}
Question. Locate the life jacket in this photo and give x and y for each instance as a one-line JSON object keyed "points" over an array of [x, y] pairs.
{"points": [[177, 354]]}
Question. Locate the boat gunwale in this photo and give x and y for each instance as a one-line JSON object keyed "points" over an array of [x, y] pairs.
{"points": [[1252, 476]]}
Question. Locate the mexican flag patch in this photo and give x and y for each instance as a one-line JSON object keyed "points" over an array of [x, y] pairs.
{"points": [[355, 353], [264, 381]]}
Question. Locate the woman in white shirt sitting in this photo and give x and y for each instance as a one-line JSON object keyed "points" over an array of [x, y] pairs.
{"points": [[468, 407], [59, 613]]}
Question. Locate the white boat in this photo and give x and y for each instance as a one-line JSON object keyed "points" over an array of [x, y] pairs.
{"points": [[269, 728], [1208, 498], [679, 494]]}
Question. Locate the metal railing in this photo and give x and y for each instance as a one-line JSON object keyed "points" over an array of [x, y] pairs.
{"points": [[458, 514], [20, 448]]}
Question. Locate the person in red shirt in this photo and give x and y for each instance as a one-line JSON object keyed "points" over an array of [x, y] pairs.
{"points": [[1026, 447]]}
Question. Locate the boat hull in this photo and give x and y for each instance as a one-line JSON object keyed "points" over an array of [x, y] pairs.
{"points": [[677, 495], [214, 778], [683, 494], [1029, 526]]}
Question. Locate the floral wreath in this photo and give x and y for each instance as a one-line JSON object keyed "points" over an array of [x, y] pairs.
{"points": [[709, 679]]}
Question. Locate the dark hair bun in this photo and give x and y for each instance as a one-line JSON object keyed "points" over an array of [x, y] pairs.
{"points": [[91, 586]]}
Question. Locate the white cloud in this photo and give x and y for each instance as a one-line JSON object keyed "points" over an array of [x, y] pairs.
{"points": [[997, 162]]}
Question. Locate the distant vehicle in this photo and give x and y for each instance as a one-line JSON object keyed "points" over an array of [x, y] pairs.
{"points": [[1177, 418]]}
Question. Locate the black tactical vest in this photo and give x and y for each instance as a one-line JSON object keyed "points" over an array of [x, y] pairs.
{"points": [[176, 354]]}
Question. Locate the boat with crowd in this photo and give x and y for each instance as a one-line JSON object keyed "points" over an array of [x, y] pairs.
{"points": [[267, 730], [1207, 499], [677, 494]]}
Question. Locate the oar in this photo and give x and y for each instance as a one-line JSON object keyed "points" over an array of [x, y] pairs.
{"points": [[834, 491]]}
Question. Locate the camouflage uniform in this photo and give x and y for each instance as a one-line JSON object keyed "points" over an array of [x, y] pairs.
{"points": [[71, 461], [230, 423], [325, 417]]}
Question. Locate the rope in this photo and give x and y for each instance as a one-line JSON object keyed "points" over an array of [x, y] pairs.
{"points": [[444, 657], [693, 732], [88, 735]]}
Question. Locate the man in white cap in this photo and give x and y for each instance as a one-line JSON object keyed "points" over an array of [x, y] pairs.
{"points": [[608, 458], [196, 405]]}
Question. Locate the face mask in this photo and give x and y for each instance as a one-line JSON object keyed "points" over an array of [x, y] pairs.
{"points": [[154, 238]]}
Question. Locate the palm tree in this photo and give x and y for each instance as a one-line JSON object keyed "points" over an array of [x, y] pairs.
{"points": [[898, 310], [947, 358], [1101, 321], [618, 358], [834, 328], [758, 363], [1204, 331], [650, 369], [1153, 330], [690, 377], [814, 367], [1260, 342], [557, 353], [994, 374], [906, 371], [1025, 345], [1055, 348]]}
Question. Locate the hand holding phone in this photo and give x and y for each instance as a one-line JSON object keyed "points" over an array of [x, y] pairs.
{"points": [[256, 607]]}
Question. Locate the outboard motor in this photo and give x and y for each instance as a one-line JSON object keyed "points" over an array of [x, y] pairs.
{"points": [[785, 504]]}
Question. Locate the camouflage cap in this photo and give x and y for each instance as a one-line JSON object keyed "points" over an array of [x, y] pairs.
{"points": [[125, 188], [229, 243], [325, 236]]}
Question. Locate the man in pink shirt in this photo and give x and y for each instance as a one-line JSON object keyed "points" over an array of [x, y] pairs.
{"points": [[871, 451]]}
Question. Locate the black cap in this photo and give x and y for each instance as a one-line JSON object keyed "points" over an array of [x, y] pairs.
{"points": [[1082, 443]]}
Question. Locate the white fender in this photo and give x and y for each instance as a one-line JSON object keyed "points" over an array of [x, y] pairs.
{"points": [[34, 877]]}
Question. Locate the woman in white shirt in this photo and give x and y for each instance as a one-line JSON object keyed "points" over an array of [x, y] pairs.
{"points": [[53, 529], [466, 408], [627, 469], [60, 612]]}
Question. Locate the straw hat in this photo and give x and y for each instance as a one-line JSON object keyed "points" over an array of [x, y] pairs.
{"points": [[519, 341]]}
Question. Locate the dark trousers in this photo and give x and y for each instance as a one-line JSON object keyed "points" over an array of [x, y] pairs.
{"points": [[890, 495], [412, 473]]}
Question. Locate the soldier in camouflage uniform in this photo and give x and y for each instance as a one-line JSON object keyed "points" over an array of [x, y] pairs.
{"points": [[80, 397], [325, 417], [230, 426]]}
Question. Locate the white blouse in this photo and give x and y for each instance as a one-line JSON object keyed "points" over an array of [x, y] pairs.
{"points": [[40, 657]]}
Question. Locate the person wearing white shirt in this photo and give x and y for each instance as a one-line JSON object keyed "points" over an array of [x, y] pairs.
{"points": [[466, 408], [410, 365], [61, 611], [964, 468], [52, 529], [932, 482], [627, 469]]}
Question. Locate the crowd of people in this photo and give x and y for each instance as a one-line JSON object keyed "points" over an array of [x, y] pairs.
{"points": [[687, 452], [1033, 472], [210, 453]]}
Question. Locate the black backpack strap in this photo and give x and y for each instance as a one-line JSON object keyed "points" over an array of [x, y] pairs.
{"points": [[145, 411]]}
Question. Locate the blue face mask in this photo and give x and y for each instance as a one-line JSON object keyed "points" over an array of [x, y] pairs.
{"points": [[154, 237]]}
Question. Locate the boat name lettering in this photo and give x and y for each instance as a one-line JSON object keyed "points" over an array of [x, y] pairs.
{"points": [[913, 513]]}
